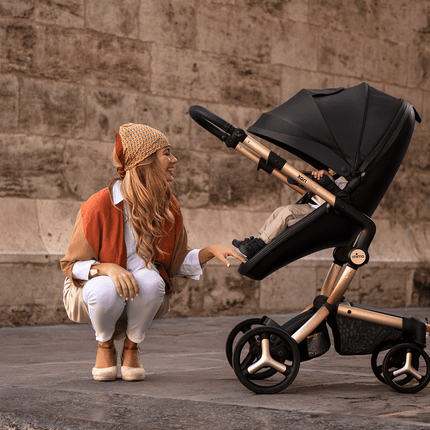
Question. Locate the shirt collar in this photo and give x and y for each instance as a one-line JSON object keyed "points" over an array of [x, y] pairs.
{"points": [[116, 193]]}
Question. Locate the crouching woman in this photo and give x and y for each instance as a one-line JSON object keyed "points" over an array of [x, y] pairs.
{"points": [[128, 252]]}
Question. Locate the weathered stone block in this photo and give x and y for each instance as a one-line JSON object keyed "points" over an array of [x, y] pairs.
{"points": [[66, 13], [32, 314], [120, 18], [360, 18], [385, 287], [386, 61], [425, 125], [32, 167], [400, 20], [189, 303], [88, 168], [192, 174], [53, 109], [289, 288], [8, 103], [206, 226], [293, 80], [340, 54], [421, 287], [17, 9], [295, 44], [106, 111], [399, 203], [297, 11], [92, 58], [168, 22], [227, 185], [62, 54], [115, 61], [228, 293], [419, 62], [234, 37], [420, 236], [19, 233], [268, 8], [185, 73], [170, 116], [251, 84], [21, 46], [56, 219]]}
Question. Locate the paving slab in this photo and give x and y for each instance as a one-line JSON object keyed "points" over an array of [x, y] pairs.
{"points": [[46, 383]]}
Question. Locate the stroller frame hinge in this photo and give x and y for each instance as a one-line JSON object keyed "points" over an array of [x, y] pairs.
{"points": [[333, 300]]}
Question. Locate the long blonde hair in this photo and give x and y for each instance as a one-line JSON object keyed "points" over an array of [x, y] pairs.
{"points": [[149, 196]]}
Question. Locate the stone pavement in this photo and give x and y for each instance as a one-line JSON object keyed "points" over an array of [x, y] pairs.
{"points": [[46, 383]]}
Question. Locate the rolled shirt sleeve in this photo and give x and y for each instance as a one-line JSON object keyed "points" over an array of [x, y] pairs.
{"points": [[81, 269], [191, 267]]}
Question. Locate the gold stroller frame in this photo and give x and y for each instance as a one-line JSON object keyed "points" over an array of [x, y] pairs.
{"points": [[334, 287]]}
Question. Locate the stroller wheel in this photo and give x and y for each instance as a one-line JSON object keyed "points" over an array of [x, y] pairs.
{"points": [[406, 368], [266, 350], [378, 358], [237, 332]]}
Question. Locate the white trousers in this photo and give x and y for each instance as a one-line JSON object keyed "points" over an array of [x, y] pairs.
{"points": [[105, 305], [282, 218]]}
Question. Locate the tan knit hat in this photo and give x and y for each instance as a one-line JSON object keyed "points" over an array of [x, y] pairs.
{"points": [[139, 142]]}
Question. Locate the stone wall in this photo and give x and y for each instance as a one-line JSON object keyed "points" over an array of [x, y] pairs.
{"points": [[73, 71]]}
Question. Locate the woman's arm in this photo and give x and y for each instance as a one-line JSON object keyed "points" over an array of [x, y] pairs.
{"points": [[219, 252]]}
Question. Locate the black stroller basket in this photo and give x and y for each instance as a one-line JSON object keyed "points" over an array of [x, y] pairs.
{"points": [[363, 135]]}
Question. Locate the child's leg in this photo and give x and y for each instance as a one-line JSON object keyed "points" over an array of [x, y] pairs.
{"points": [[276, 223], [281, 218]]}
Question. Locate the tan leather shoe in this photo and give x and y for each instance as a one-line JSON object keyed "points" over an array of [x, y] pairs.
{"points": [[106, 373], [136, 372]]}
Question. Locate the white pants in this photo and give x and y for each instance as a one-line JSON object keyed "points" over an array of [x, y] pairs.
{"points": [[105, 305], [281, 218]]}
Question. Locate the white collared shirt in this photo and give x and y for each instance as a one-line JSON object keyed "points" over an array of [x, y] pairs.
{"points": [[190, 267]]}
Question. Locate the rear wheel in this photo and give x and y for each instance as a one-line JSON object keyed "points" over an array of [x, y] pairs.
{"points": [[406, 368]]}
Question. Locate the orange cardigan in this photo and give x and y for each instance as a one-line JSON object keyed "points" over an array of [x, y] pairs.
{"points": [[99, 234]]}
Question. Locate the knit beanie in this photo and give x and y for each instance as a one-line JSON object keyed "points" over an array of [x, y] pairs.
{"points": [[135, 142]]}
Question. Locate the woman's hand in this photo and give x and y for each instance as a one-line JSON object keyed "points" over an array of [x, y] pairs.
{"points": [[124, 281], [219, 252]]}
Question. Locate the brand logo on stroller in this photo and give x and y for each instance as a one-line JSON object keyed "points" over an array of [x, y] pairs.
{"points": [[302, 178], [358, 256]]}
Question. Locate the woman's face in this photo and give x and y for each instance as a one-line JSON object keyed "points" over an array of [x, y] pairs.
{"points": [[167, 162]]}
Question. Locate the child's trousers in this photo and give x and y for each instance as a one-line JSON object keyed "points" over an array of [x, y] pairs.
{"points": [[105, 305], [281, 218]]}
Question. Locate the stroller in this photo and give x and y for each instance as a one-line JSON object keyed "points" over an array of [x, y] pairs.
{"points": [[362, 134]]}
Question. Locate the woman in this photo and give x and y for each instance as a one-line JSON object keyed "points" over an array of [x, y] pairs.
{"points": [[128, 252]]}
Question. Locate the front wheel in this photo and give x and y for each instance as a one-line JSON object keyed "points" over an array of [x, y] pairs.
{"points": [[266, 350]]}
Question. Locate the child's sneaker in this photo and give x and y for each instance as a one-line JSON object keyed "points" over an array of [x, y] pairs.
{"points": [[249, 247]]}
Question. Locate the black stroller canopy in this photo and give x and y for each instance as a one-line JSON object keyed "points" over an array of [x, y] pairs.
{"points": [[341, 128]]}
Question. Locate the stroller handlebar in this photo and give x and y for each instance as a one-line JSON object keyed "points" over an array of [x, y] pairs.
{"points": [[211, 122]]}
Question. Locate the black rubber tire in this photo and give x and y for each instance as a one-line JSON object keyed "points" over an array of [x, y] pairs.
{"points": [[281, 344]]}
